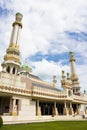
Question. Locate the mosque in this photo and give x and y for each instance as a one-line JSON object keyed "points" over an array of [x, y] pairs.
{"points": [[24, 96]]}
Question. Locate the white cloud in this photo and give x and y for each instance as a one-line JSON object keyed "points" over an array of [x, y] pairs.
{"points": [[47, 69], [82, 73], [44, 20]]}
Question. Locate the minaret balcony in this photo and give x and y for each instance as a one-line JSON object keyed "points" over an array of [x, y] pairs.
{"points": [[17, 23], [12, 58], [13, 49], [66, 83]]}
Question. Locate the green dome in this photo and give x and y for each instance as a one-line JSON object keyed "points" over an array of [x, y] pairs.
{"points": [[25, 67], [19, 14]]}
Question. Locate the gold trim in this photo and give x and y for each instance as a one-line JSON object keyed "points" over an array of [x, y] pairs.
{"points": [[17, 23], [72, 60], [12, 57]]}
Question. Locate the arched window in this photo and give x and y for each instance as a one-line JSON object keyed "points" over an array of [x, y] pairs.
{"points": [[69, 93], [8, 69], [13, 70]]}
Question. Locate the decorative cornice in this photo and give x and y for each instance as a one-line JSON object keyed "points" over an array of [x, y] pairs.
{"points": [[74, 77], [12, 57], [17, 90], [14, 46], [66, 84], [71, 60], [48, 95], [17, 23]]}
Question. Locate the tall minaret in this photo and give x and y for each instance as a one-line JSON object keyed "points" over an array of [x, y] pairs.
{"points": [[12, 62], [74, 76]]}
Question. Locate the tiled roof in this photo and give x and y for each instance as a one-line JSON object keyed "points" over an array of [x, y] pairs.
{"points": [[44, 86], [34, 76]]}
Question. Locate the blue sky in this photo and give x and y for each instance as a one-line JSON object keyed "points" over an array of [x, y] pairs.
{"points": [[51, 29]]}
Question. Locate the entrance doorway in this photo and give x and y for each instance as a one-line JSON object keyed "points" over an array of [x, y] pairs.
{"points": [[46, 108], [4, 105], [74, 107], [60, 107]]}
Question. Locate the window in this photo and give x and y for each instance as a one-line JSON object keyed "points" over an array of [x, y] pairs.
{"points": [[69, 93], [8, 69]]}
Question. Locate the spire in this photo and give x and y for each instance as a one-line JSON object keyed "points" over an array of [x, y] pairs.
{"points": [[12, 62], [74, 76], [54, 81], [63, 74], [68, 76], [17, 26], [66, 81]]}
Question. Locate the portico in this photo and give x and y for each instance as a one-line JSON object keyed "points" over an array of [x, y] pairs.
{"points": [[44, 108]]}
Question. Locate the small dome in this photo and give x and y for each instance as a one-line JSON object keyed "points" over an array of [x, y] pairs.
{"points": [[19, 17], [25, 67]]}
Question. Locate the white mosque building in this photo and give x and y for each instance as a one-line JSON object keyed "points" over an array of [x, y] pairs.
{"points": [[25, 97]]}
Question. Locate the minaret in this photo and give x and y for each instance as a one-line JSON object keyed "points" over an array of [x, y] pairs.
{"points": [[54, 81], [12, 62], [74, 76]]}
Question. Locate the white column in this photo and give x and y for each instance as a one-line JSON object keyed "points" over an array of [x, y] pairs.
{"points": [[65, 110], [73, 67], [78, 111], [14, 35], [18, 36], [65, 104], [14, 110], [10, 106], [71, 109], [55, 111], [70, 105], [38, 109], [15, 70], [11, 69]]}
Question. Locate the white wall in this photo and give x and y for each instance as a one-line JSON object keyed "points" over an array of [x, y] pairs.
{"points": [[28, 107], [82, 109]]}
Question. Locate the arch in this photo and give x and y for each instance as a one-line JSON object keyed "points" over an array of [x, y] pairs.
{"points": [[13, 71], [8, 69], [69, 93]]}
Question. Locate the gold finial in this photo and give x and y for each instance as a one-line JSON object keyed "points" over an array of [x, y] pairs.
{"points": [[72, 56], [71, 53], [54, 81], [19, 17], [68, 76], [63, 74]]}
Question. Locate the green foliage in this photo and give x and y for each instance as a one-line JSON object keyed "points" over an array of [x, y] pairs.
{"points": [[1, 121]]}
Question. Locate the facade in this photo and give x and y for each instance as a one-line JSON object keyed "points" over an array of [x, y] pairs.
{"points": [[24, 96]]}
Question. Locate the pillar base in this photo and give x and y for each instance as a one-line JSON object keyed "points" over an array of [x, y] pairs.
{"points": [[55, 112], [78, 112], [71, 111], [14, 113], [85, 111], [65, 111], [38, 112]]}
